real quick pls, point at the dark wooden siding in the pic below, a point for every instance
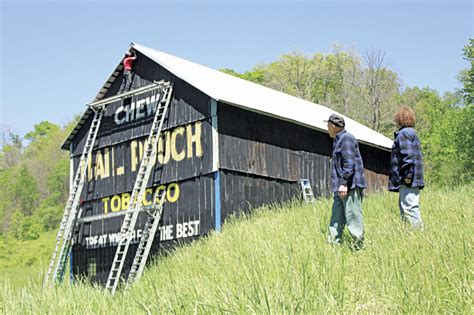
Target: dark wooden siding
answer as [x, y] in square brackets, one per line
[260, 145]
[185, 217]
[244, 191]
[375, 160]
[183, 152]
[183, 164]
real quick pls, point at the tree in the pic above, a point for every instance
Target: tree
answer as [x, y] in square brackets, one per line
[467, 76]
[25, 192]
[347, 75]
[10, 148]
[256, 75]
[42, 129]
[380, 87]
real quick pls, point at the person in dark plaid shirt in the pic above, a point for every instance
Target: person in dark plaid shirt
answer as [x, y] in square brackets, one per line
[406, 171]
[348, 182]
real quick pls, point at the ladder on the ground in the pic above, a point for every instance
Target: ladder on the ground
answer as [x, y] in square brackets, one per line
[146, 240]
[139, 188]
[57, 267]
[308, 195]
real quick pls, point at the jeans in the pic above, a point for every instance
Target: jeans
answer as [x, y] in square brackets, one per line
[126, 81]
[347, 211]
[409, 203]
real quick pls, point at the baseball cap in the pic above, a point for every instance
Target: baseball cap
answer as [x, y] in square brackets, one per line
[336, 120]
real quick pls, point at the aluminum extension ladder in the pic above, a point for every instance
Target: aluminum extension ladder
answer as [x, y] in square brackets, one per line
[307, 191]
[64, 237]
[131, 216]
[146, 240]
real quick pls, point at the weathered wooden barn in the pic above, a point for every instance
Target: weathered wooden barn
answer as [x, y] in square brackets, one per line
[228, 145]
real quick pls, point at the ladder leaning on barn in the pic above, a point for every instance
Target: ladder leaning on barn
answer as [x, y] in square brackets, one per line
[57, 266]
[63, 239]
[135, 207]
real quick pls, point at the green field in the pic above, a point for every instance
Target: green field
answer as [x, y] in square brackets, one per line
[278, 261]
[21, 262]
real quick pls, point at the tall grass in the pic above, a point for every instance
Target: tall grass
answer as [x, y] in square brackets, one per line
[20, 260]
[277, 261]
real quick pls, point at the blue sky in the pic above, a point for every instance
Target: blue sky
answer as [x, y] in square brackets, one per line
[55, 55]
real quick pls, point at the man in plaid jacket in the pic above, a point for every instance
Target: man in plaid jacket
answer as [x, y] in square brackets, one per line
[406, 171]
[348, 182]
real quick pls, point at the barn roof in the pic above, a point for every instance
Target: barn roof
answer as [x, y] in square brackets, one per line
[247, 95]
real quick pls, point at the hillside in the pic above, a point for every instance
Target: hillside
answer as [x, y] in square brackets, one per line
[278, 261]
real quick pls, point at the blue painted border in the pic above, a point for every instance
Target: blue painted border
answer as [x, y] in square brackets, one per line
[71, 274]
[217, 201]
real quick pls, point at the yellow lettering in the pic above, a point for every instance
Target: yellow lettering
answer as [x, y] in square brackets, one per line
[120, 170]
[122, 202]
[105, 201]
[194, 138]
[164, 149]
[145, 201]
[174, 153]
[133, 155]
[89, 168]
[99, 166]
[113, 161]
[115, 203]
[140, 149]
[106, 163]
[157, 192]
[125, 201]
[172, 189]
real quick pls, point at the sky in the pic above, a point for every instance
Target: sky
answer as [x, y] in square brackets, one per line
[56, 55]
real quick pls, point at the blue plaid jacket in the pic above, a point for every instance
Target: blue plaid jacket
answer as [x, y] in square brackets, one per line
[347, 165]
[406, 160]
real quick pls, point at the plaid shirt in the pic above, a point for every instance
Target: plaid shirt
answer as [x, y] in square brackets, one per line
[347, 165]
[406, 160]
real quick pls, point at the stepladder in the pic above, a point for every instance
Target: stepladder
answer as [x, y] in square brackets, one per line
[135, 207]
[307, 191]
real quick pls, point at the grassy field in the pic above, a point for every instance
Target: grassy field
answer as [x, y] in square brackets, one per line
[21, 262]
[278, 261]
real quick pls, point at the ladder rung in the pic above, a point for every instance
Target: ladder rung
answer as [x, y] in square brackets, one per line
[131, 216]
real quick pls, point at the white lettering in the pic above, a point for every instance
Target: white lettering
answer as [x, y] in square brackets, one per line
[167, 232]
[136, 111]
[140, 105]
[119, 121]
[187, 229]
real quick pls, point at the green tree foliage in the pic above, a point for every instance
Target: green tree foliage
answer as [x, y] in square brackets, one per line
[42, 130]
[253, 76]
[361, 87]
[34, 187]
[25, 192]
[11, 147]
[7, 178]
[25, 227]
[467, 76]
[446, 132]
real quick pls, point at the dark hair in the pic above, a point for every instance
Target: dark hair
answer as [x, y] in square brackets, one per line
[405, 117]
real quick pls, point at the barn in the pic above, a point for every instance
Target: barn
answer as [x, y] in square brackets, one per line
[227, 145]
